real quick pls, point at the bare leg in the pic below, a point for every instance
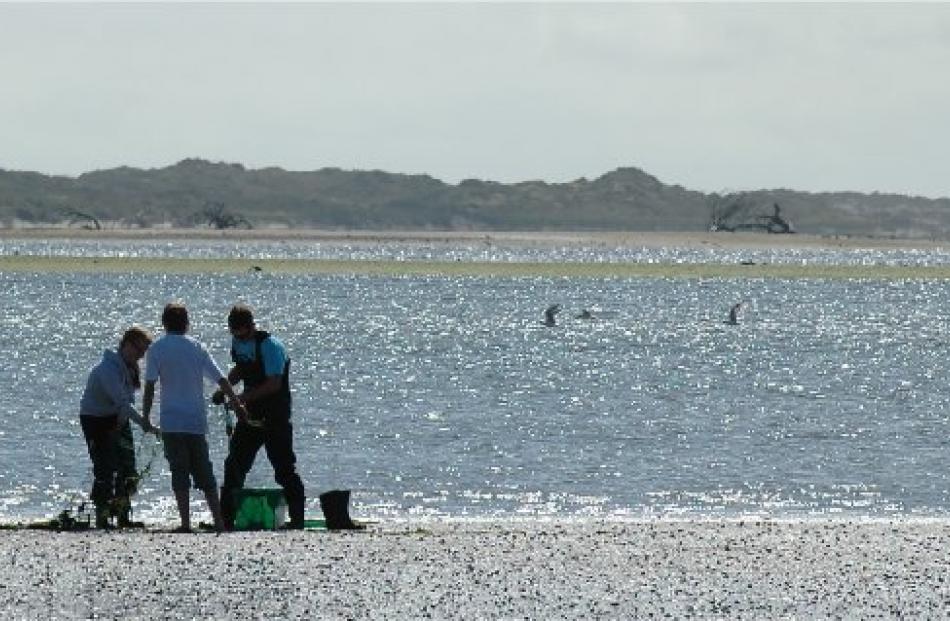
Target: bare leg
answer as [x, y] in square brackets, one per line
[184, 508]
[214, 504]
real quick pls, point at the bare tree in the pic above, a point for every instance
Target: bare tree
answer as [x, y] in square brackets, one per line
[220, 217]
[75, 216]
[740, 211]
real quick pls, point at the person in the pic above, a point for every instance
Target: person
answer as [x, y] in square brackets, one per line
[181, 363]
[262, 365]
[105, 409]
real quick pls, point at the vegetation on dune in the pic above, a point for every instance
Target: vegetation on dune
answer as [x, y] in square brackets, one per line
[195, 192]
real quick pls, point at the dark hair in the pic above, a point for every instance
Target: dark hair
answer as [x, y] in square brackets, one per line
[241, 316]
[175, 318]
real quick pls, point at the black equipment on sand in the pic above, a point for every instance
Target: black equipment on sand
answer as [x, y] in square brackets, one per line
[335, 505]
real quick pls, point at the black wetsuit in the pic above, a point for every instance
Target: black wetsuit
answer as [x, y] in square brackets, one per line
[275, 435]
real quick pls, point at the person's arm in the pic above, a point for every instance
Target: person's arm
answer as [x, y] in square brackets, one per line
[122, 399]
[269, 386]
[129, 412]
[239, 410]
[148, 396]
[148, 393]
[234, 376]
[214, 373]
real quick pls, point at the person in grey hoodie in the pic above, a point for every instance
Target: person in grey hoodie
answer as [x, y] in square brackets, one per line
[106, 407]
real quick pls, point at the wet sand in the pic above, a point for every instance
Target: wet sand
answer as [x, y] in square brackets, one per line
[736, 241]
[646, 239]
[124, 265]
[496, 569]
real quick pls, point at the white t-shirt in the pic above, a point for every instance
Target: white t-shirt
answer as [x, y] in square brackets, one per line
[180, 364]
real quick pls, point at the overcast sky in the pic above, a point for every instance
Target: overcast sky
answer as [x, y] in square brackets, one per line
[712, 97]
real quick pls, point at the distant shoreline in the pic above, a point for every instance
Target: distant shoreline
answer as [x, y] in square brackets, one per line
[622, 239]
[460, 269]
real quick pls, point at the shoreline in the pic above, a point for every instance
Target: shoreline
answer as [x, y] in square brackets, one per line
[14, 262]
[493, 569]
[29, 264]
[622, 239]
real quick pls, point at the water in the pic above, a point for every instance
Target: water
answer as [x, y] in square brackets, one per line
[442, 396]
[486, 250]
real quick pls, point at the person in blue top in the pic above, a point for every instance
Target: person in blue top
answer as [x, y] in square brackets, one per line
[181, 364]
[106, 407]
[262, 365]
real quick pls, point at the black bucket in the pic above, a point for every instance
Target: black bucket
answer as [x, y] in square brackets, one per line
[335, 505]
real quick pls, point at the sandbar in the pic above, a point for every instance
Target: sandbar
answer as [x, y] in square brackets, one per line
[622, 239]
[393, 268]
[17, 263]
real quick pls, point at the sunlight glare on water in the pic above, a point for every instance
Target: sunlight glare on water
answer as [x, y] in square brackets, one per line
[447, 396]
[490, 250]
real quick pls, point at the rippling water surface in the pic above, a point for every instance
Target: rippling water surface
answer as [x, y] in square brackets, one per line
[487, 250]
[447, 396]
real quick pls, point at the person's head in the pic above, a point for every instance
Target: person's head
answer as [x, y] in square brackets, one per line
[241, 322]
[175, 318]
[135, 342]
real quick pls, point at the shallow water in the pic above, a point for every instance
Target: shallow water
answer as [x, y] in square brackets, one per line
[447, 396]
[467, 251]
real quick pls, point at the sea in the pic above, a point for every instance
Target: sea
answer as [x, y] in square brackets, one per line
[447, 397]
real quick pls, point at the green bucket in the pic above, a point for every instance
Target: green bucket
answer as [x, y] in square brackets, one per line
[259, 509]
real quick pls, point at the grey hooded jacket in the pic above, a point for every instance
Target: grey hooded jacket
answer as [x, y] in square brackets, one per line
[109, 390]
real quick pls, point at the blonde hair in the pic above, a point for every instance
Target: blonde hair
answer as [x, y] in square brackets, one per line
[136, 334]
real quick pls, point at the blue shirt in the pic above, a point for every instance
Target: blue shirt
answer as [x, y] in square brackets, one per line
[272, 350]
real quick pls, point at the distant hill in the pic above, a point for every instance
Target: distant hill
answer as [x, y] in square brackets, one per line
[625, 199]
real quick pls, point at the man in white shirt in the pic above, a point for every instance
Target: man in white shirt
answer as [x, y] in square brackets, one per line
[182, 364]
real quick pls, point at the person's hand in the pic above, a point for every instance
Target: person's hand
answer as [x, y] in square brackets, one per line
[217, 397]
[252, 419]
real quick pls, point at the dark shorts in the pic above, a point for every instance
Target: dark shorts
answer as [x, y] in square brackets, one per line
[188, 457]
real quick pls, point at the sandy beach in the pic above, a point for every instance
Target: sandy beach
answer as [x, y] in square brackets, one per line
[755, 569]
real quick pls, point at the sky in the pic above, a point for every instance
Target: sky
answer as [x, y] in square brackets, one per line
[713, 97]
